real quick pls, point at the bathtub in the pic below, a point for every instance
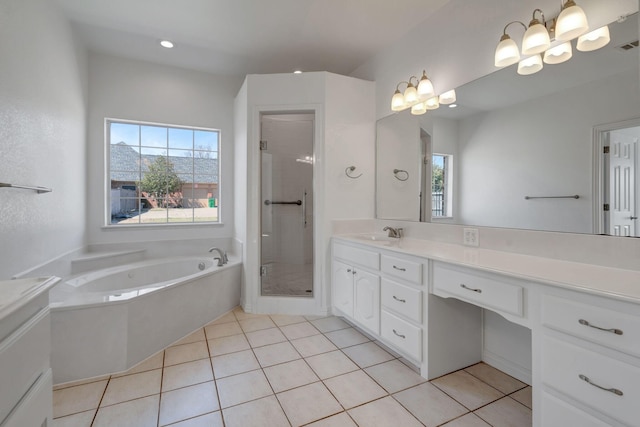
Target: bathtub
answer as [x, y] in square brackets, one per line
[107, 321]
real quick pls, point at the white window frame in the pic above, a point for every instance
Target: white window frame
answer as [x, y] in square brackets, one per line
[107, 176]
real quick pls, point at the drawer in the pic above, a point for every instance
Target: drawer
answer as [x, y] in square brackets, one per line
[566, 367]
[479, 289]
[36, 407]
[603, 326]
[24, 356]
[402, 335]
[402, 299]
[556, 412]
[358, 256]
[410, 271]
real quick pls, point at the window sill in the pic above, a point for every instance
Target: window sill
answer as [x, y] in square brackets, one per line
[159, 226]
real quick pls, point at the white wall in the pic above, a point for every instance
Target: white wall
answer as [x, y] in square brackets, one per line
[135, 90]
[513, 152]
[344, 134]
[42, 135]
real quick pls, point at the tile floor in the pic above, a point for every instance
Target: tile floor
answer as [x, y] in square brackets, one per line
[257, 370]
[288, 279]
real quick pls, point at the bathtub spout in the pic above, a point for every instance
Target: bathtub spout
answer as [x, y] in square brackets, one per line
[222, 259]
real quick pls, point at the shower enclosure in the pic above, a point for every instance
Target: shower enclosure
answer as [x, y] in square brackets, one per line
[286, 147]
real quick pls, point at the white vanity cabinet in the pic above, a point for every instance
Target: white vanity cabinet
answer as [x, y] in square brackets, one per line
[25, 351]
[355, 285]
[590, 360]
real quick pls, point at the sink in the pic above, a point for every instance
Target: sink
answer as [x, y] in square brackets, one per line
[375, 237]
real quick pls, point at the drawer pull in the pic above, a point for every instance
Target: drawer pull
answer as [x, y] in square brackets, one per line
[462, 285]
[612, 330]
[399, 335]
[610, 390]
[398, 268]
[398, 299]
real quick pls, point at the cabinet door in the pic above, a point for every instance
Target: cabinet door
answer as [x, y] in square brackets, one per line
[342, 287]
[367, 300]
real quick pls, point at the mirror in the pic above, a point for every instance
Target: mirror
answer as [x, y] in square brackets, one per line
[517, 149]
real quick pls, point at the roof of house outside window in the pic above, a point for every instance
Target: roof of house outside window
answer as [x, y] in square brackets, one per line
[125, 165]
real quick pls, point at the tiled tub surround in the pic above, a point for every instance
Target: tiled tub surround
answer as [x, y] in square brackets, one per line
[258, 370]
[100, 331]
[581, 321]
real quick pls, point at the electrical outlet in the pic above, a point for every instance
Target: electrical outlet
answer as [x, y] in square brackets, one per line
[470, 237]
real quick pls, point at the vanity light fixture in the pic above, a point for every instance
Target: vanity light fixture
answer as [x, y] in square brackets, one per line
[549, 42]
[420, 97]
[166, 44]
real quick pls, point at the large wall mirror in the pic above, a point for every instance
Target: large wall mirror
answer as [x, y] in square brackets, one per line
[517, 150]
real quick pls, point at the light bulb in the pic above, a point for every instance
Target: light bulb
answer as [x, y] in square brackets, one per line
[571, 22]
[397, 102]
[594, 40]
[507, 52]
[449, 97]
[432, 103]
[410, 95]
[418, 109]
[530, 65]
[425, 87]
[536, 39]
[558, 54]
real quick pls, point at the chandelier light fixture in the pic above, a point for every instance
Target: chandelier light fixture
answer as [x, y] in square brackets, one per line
[420, 97]
[549, 42]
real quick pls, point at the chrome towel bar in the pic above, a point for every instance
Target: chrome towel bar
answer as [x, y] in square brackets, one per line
[39, 190]
[575, 196]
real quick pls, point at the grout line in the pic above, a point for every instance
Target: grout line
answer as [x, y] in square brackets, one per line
[100, 403]
[164, 355]
[213, 374]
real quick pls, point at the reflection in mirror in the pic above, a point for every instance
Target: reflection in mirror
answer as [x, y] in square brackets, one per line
[513, 136]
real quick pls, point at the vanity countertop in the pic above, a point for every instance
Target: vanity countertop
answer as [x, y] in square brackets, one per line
[611, 282]
[16, 293]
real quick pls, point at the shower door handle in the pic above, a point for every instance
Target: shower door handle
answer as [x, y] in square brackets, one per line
[304, 209]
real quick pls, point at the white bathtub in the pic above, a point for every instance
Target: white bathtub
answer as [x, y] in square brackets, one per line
[107, 321]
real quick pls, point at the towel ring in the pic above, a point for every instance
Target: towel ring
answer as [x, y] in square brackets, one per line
[349, 170]
[396, 172]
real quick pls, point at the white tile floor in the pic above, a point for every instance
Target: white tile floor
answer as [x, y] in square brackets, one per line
[256, 370]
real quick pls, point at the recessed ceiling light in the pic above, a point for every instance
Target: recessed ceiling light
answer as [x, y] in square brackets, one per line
[453, 105]
[166, 43]
[297, 72]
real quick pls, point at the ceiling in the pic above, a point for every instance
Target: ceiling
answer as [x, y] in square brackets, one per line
[239, 37]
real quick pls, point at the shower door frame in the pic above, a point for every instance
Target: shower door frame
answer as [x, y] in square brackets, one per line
[252, 300]
[303, 200]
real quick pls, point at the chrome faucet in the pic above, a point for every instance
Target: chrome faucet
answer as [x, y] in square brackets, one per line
[393, 232]
[222, 259]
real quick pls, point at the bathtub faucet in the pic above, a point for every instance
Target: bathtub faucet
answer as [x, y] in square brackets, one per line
[222, 259]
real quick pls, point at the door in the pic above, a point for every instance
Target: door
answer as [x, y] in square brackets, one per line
[622, 183]
[286, 243]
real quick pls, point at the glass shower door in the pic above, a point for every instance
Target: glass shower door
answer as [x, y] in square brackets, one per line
[286, 149]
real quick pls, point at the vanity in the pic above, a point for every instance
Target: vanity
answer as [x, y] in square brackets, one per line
[25, 352]
[425, 300]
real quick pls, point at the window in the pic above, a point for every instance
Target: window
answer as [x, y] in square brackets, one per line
[161, 174]
[441, 195]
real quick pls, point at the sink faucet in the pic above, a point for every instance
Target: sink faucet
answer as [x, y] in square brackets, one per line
[222, 259]
[393, 232]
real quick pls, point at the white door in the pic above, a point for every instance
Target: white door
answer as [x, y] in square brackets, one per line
[622, 203]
